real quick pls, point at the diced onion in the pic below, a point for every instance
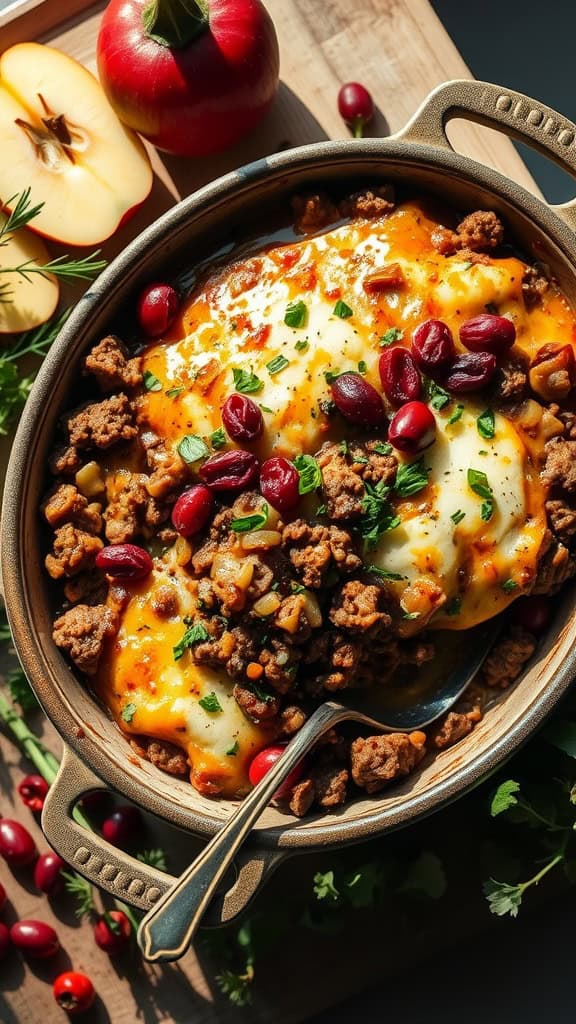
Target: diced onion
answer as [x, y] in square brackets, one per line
[89, 480]
[267, 604]
[312, 609]
[256, 540]
[183, 551]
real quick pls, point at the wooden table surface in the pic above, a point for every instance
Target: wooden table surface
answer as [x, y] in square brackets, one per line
[400, 51]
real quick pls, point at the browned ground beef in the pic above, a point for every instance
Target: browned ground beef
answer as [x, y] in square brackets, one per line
[102, 424]
[506, 659]
[162, 754]
[370, 203]
[454, 726]
[313, 212]
[81, 633]
[109, 362]
[359, 607]
[74, 551]
[313, 549]
[480, 231]
[560, 467]
[64, 461]
[534, 285]
[378, 760]
[510, 382]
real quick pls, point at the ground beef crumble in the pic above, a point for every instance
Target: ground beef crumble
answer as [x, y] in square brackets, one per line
[378, 760]
[81, 633]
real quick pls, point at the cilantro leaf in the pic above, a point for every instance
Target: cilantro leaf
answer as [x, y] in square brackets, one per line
[503, 898]
[375, 570]
[210, 702]
[342, 310]
[509, 585]
[456, 415]
[437, 396]
[485, 424]
[193, 635]
[192, 448]
[246, 382]
[277, 364]
[486, 510]
[309, 472]
[324, 887]
[233, 750]
[128, 712]
[296, 313]
[411, 477]
[504, 798]
[478, 482]
[151, 382]
[378, 516]
[217, 439]
[252, 522]
[390, 336]
[302, 345]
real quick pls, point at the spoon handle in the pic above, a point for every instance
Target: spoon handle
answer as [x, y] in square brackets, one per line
[167, 930]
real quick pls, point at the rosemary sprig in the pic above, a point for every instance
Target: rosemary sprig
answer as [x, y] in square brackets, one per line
[61, 266]
[20, 216]
[82, 892]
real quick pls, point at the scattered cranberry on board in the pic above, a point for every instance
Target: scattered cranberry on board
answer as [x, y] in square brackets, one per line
[48, 873]
[112, 932]
[191, 78]
[123, 826]
[73, 991]
[16, 844]
[33, 790]
[35, 939]
[264, 761]
[356, 107]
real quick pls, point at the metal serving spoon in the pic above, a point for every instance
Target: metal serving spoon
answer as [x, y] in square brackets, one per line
[167, 930]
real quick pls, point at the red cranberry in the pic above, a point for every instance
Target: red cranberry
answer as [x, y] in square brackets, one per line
[264, 761]
[48, 872]
[112, 932]
[358, 401]
[124, 561]
[5, 942]
[35, 939]
[2, 895]
[230, 471]
[470, 372]
[433, 346]
[355, 106]
[279, 484]
[96, 802]
[400, 378]
[534, 613]
[242, 418]
[74, 992]
[412, 428]
[192, 510]
[16, 844]
[122, 826]
[488, 333]
[157, 309]
[33, 789]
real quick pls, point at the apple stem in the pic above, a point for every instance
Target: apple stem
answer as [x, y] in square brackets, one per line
[175, 23]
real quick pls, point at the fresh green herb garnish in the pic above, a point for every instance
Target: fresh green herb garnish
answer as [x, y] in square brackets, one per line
[375, 570]
[296, 314]
[411, 615]
[485, 424]
[277, 364]
[456, 415]
[331, 375]
[156, 858]
[210, 702]
[128, 712]
[458, 516]
[302, 345]
[217, 439]
[233, 750]
[478, 482]
[390, 336]
[362, 368]
[297, 588]
[265, 408]
[174, 392]
[321, 510]
[151, 382]
[309, 472]
[437, 396]
[378, 516]
[486, 510]
[193, 635]
[192, 448]
[509, 585]
[382, 448]
[252, 522]
[246, 382]
[342, 310]
[411, 477]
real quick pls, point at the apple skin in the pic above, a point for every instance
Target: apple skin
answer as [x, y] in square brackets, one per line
[32, 301]
[59, 134]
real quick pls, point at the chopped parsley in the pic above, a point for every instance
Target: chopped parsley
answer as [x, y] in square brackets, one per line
[191, 448]
[390, 336]
[453, 607]
[151, 382]
[485, 424]
[331, 375]
[321, 510]
[253, 522]
[295, 315]
[297, 588]
[277, 364]
[174, 392]
[486, 510]
[456, 415]
[382, 448]
[458, 516]
[193, 635]
[302, 345]
[342, 310]
[362, 368]
[375, 570]
[233, 750]
[247, 383]
[265, 408]
[210, 702]
[378, 516]
[411, 477]
[478, 482]
[508, 586]
[263, 695]
[128, 712]
[309, 472]
[437, 396]
[218, 438]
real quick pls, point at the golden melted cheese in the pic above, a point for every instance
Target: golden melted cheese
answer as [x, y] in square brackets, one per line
[235, 319]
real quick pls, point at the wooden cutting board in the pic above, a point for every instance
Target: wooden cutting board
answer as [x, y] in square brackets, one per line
[400, 51]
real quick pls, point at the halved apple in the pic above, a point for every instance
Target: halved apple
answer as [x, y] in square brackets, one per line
[60, 136]
[25, 303]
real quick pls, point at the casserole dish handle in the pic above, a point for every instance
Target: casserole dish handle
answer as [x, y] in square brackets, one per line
[123, 876]
[509, 111]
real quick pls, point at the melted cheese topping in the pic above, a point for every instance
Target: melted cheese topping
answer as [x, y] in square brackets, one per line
[457, 566]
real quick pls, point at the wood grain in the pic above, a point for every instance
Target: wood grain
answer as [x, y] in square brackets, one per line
[400, 51]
